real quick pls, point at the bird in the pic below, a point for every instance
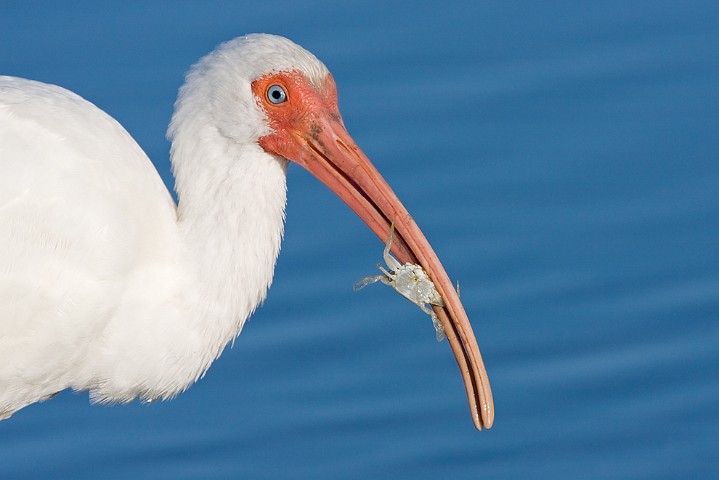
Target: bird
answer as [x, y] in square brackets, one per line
[107, 285]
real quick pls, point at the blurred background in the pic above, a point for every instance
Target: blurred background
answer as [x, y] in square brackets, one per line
[561, 157]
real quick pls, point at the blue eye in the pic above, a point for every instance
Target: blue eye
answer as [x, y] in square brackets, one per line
[276, 94]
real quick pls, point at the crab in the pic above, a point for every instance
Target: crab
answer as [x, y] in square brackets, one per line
[409, 280]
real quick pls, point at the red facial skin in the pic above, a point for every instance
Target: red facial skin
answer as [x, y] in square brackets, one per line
[307, 129]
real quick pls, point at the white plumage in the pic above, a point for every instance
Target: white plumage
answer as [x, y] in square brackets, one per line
[106, 285]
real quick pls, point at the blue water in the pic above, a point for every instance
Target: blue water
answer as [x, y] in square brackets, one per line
[563, 159]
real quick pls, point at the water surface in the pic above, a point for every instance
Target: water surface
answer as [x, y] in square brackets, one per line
[562, 157]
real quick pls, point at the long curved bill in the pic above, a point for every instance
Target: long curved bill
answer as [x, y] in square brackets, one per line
[320, 143]
[333, 157]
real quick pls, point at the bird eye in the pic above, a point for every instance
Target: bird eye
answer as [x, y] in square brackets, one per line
[276, 94]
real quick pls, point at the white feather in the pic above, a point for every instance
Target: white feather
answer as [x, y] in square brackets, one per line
[104, 284]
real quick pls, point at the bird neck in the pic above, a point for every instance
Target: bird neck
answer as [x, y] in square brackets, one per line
[231, 219]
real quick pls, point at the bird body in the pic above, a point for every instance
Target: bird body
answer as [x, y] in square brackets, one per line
[105, 284]
[83, 218]
[100, 279]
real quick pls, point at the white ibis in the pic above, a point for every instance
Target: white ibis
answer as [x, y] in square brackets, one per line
[106, 285]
